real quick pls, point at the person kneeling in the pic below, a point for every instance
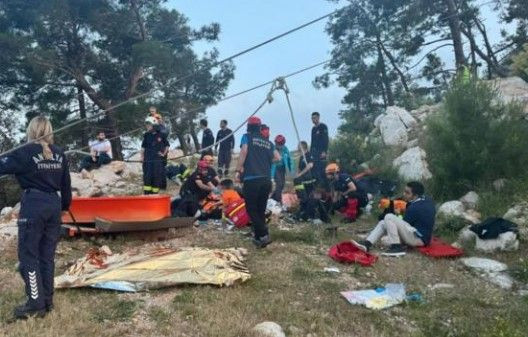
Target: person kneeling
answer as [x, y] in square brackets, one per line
[415, 229]
[348, 197]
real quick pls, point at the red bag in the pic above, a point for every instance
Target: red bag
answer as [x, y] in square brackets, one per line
[439, 249]
[236, 212]
[350, 211]
[347, 252]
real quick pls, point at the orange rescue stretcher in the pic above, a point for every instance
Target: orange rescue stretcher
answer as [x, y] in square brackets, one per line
[120, 214]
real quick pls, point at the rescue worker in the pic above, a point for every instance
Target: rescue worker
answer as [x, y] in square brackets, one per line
[254, 168]
[279, 169]
[344, 187]
[226, 148]
[319, 147]
[154, 149]
[265, 131]
[212, 175]
[304, 183]
[207, 138]
[195, 189]
[41, 169]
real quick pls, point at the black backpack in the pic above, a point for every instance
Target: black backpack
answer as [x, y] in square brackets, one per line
[491, 228]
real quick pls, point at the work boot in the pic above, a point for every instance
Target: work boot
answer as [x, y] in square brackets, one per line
[395, 250]
[363, 245]
[262, 242]
[24, 312]
[49, 306]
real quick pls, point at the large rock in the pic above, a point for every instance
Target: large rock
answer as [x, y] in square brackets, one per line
[513, 89]
[407, 119]
[518, 214]
[451, 209]
[424, 111]
[269, 329]
[412, 165]
[470, 200]
[393, 130]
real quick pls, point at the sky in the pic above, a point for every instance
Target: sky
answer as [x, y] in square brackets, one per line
[245, 23]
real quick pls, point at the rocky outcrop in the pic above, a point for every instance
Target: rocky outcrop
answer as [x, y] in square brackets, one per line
[116, 178]
[412, 165]
[513, 89]
[394, 126]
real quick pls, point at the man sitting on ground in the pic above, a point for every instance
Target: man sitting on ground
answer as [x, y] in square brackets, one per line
[415, 229]
[100, 153]
[345, 190]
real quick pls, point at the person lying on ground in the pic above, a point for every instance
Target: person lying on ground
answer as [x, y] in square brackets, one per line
[229, 194]
[344, 187]
[415, 229]
[100, 153]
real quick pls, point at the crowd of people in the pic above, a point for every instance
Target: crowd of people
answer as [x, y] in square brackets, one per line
[42, 171]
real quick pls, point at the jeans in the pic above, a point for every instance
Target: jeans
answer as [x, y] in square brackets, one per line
[280, 181]
[256, 193]
[88, 163]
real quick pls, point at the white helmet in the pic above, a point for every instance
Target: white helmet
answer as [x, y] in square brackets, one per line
[151, 120]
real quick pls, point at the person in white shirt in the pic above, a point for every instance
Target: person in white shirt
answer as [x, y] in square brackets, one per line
[100, 153]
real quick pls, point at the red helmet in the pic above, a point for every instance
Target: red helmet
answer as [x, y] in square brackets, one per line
[280, 140]
[254, 120]
[203, 165]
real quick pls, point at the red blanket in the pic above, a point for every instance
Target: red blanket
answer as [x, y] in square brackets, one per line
[348, 253]
[439, 249]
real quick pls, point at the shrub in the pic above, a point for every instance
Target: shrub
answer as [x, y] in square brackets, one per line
[520, 63]
[351, 150]
[475, 139]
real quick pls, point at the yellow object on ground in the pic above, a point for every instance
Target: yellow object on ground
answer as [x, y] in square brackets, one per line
[154, 268]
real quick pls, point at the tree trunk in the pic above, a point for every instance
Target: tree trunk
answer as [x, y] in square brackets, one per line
[456, 35]
[194, 137]
[385, 79]
[112, 133]
[82, 114]
[183, 143]
[395, 66]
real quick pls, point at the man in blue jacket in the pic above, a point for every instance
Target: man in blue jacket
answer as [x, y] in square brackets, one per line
[415, 229]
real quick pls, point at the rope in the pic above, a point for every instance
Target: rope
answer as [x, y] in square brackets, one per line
[268, 99]
[295, 73]
[214, 65]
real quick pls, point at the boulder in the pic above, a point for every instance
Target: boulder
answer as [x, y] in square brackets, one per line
[499, 184]
[393, 130]
[484, 265]
[5, 212]
[269, 329]
[470, 200]
[406, 118]
[424, 111]
[412, 165]
[505, 242]
[451, 209]
[513, 89]
[518, 214]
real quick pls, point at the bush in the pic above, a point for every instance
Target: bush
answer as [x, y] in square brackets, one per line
[475, 139]
[350, 151]
[520, 64]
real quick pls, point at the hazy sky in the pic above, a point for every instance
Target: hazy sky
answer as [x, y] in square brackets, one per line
[245, 23]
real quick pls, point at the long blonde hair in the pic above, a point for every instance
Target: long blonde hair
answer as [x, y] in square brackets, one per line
[40, 131]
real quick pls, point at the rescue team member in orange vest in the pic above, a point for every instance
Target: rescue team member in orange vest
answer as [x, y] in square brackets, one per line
[254, 168]
[42, 171]
[154, 148]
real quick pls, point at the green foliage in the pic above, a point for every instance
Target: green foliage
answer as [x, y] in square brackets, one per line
[351, 150]
[520, 63]
[475, 140]
[117, 311]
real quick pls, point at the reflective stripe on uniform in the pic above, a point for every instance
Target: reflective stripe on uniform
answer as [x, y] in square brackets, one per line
[155, 189]
[147, 188]
[299, 187]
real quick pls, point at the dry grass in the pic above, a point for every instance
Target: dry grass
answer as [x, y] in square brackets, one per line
[288, 286]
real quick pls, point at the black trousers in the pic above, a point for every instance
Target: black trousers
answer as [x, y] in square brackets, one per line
[224, 161]
[38, 234]
[88, 163]
[319, 171]
[256, 193]
[280, 181]
[153, 175]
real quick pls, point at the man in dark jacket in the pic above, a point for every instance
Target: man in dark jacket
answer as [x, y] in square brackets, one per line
[226, 148]
[415, 229]
[319, 147]
[207, 138]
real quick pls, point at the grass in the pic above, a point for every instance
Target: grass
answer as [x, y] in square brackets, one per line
[288, 286]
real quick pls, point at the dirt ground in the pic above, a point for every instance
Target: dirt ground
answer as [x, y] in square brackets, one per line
[288, 286]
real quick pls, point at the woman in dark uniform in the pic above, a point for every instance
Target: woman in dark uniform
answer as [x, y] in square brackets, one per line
[42, 172]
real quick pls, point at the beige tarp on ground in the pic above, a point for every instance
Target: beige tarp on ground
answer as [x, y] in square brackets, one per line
[155, 267]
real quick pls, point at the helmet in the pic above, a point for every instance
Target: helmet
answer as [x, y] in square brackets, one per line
[332, 168]
[280, 140]
[254, 120]
[265, 131]
[203, 165]
[151, 120]
[208, 159]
